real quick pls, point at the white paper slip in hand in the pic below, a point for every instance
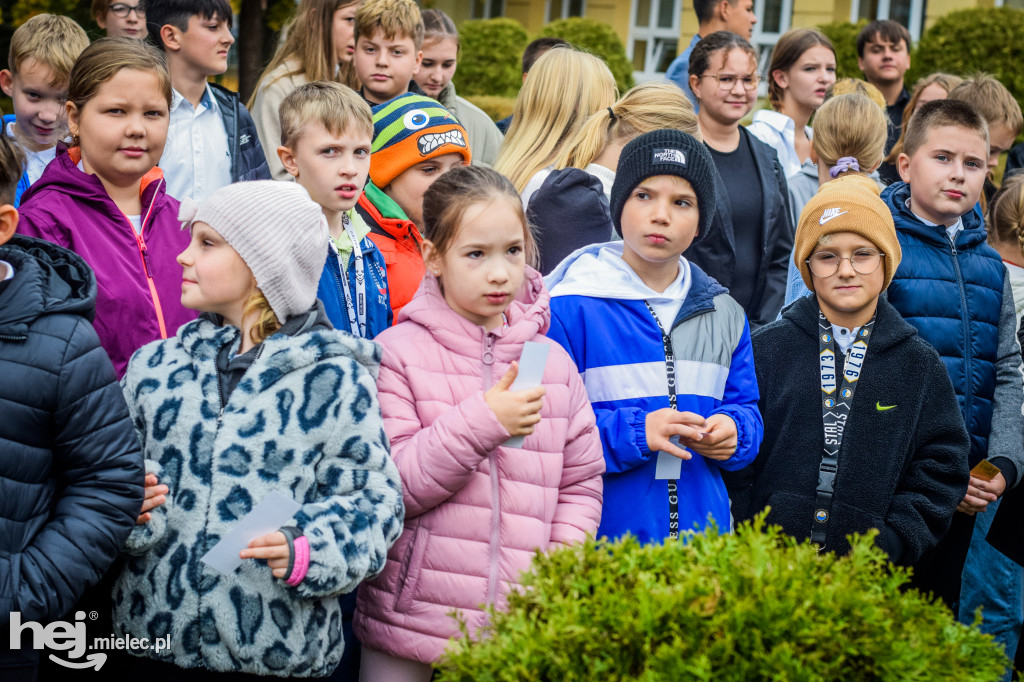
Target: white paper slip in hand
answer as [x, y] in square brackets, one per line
[276, 510]
[669, 466]
[531, 371]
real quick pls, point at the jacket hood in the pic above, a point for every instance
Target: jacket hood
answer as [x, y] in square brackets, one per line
[203, 338]
[63, 175]
[890, 328]
[599, 271]
[896, 195]
[528, 315]
[48, 280]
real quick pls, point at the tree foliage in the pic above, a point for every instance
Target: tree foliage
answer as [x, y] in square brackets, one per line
[491, 57]
[973, 40]
[753, 605]
[843, 35]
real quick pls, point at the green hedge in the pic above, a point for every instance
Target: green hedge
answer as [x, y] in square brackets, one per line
[843, 35]
[491, 62]
[599, 39]
[754, 605]
[971, 40]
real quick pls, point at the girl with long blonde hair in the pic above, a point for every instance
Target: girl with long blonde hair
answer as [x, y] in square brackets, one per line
[564, 87]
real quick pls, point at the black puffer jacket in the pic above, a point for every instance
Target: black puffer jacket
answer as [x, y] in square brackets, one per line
[71, 469]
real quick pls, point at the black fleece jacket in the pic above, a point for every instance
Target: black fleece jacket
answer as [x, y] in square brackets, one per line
[902, 469]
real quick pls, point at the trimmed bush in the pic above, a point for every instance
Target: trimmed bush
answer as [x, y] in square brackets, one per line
[753, 605]
[598, 39]
[495, 107]
[972, 40]
[843, 35]
[491, 61]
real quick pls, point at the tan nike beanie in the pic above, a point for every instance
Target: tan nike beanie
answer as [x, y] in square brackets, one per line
[848, 204]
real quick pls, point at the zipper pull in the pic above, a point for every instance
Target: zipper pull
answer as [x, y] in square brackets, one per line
[145, 260]
[488, 357]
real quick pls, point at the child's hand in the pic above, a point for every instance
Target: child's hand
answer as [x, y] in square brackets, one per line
[719, 441]
[272, 547]
[981, 493]
[662, 424]
[518, 411]
[155, 496]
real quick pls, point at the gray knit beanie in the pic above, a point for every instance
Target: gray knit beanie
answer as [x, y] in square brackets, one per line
[280, 233]
[666, 152]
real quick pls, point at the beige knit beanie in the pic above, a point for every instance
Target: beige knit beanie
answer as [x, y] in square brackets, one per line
[848, 204]
[280, 233]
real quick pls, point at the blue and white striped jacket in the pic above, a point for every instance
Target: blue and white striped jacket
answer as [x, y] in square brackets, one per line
[599, 316]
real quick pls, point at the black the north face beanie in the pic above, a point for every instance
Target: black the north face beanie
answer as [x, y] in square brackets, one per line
[666, 152]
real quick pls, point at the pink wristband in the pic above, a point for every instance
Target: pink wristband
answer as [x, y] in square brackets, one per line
[301, 566]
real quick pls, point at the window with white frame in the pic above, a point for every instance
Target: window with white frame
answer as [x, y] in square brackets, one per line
[563, 9]
[773, 19]
[910, 13]
[653, 37]
[487, 9]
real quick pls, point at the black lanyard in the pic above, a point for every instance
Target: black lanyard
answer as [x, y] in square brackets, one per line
[835, 410]
[670, 371]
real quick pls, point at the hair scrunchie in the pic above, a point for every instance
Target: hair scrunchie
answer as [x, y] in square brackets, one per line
[847, 163]
[611, 113]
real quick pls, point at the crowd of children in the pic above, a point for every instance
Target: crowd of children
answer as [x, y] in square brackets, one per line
[326, 304]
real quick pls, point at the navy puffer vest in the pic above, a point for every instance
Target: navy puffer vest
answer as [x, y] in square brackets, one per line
[953, 294]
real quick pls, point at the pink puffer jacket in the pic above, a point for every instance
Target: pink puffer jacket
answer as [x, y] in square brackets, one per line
[475, 511]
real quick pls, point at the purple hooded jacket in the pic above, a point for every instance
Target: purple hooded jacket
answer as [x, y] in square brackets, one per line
[138, 278]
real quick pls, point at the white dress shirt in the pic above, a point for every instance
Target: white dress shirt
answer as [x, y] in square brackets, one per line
[778, 131]
[196, 160]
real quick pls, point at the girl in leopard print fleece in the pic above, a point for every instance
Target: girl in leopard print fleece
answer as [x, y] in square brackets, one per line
[259, 394]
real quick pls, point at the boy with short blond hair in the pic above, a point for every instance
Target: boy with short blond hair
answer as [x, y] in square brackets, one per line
[389, 35]
[211, 138]
[326, 138]
[43, 50]
[952, 286]
[992, 100]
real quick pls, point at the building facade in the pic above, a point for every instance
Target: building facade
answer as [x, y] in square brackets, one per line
[654, 31]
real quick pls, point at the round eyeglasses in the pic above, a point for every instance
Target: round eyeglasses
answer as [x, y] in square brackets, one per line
[727, 83]
[826, 263]
[122, 10]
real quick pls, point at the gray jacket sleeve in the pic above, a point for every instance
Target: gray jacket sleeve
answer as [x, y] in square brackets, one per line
[1006, 438]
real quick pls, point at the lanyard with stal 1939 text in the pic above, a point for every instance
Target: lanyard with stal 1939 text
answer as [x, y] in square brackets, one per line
[356, 304]
[835, 410]
[670, 371]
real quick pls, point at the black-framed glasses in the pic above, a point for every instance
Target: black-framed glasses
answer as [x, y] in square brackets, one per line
[826, 263]
[727, 82]
[122, 10]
